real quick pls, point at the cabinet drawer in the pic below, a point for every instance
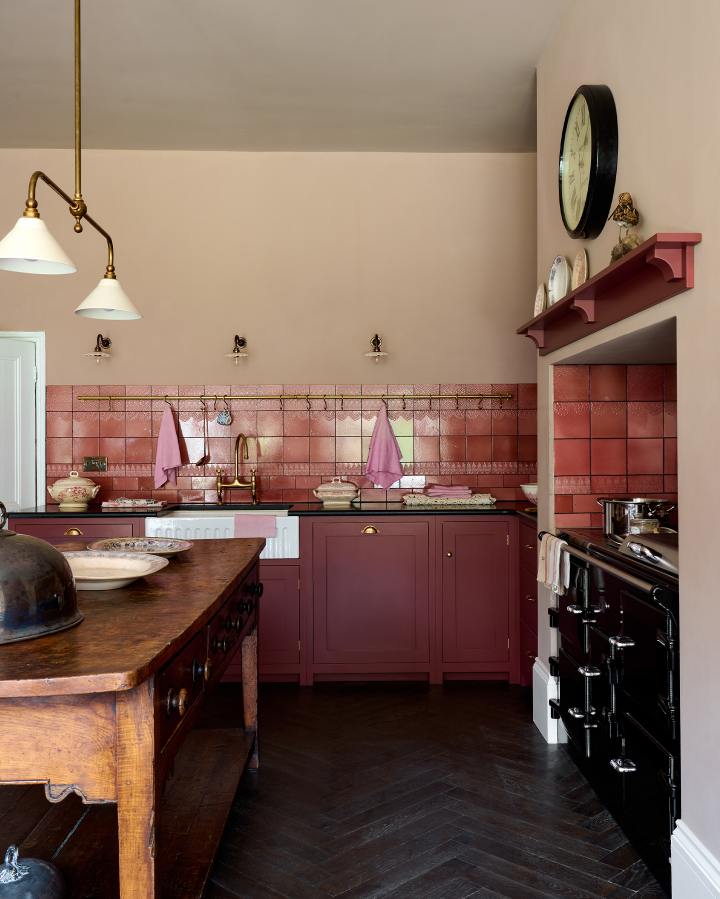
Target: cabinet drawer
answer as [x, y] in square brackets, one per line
[528, 599]
[60, 530]
[179, 685]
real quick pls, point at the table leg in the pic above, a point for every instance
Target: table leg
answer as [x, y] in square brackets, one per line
[137, 793]
[249, 685]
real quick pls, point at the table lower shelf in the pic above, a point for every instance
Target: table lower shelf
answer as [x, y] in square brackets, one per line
[81, 840]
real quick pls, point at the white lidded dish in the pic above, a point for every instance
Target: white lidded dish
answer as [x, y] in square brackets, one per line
[74, 492]
[337, 494]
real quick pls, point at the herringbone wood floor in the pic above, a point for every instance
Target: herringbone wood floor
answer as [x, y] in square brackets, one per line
[410, 791]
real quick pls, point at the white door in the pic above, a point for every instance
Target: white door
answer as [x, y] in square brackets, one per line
[18, 422]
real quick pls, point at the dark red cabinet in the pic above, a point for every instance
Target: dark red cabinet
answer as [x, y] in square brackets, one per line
[278, 623]
[527, 599]
[476, 593]
[371, 592]
[279, 635]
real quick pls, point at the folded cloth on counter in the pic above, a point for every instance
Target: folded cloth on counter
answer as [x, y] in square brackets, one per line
[554, 564]
[383, 465]
[255, 525]
[443, 490]
[167, 457]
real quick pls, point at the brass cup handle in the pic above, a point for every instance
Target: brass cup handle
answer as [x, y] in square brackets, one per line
[370, 529]
[176, 702]
[530, 597]
[73, 532]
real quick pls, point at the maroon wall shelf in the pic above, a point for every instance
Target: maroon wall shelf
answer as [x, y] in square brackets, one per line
[658, 269]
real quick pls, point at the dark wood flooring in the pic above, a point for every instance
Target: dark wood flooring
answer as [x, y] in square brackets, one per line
[415, 791]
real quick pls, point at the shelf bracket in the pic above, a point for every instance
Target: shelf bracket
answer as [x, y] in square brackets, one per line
[670, 262]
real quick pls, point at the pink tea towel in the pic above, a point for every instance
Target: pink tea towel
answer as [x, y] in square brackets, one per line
[255, 525]
[167, 457]
[383, 464]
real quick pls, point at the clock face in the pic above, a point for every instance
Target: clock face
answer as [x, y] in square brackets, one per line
[588, 161]
[575, 161]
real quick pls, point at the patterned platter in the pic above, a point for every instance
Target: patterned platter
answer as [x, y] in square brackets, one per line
[157, 546]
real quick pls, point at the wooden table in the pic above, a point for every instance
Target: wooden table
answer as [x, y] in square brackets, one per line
[103, 709]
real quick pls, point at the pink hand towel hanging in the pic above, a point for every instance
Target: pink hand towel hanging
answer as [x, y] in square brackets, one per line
[167, 457]
[383, 464]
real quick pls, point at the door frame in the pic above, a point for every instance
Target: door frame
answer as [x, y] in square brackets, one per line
[37, 338]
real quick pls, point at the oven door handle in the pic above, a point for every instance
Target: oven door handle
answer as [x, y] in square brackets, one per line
[636, 582]
[623, 766]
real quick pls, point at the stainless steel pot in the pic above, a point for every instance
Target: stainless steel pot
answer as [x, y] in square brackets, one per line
[37, 588]
[619, 510]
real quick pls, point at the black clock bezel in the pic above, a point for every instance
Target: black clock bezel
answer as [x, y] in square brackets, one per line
[603, 165]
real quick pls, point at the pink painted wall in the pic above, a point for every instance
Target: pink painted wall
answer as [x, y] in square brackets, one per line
[615, 433]
[491, 448]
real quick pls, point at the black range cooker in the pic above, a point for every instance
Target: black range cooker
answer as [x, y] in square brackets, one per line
[619, 691]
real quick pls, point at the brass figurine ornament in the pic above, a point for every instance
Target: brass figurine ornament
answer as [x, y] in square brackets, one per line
[627, 217]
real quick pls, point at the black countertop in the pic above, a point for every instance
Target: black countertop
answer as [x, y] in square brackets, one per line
[301, 509]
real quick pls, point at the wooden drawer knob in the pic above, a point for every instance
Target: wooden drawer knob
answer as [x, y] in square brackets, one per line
[370, 529]
[73, 532]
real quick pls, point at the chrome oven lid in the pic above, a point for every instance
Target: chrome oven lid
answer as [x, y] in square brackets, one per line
[660, 550]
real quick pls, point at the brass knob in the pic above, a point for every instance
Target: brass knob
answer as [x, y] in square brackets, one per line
[73, 532]
[449, 555]
[530, 597]
[370, 529]
[182, 701]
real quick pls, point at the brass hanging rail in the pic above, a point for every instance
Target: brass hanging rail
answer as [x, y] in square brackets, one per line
[281, 397]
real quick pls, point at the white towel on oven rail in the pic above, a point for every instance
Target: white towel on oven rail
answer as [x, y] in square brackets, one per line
[554, 564]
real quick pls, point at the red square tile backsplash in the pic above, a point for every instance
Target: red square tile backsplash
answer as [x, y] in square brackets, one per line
[489, 445]
[632, 426]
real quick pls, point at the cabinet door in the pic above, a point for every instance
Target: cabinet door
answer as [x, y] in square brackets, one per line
[279, 630]
[371, 591]
[475, 591]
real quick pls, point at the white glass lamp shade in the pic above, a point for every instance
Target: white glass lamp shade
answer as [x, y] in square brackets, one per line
[108, 300]
[31, 248]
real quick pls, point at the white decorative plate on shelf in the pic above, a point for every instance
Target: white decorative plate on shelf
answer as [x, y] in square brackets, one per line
[558, 279]
[579, 269]
[157, 546]
[109, 571]
[540, 300]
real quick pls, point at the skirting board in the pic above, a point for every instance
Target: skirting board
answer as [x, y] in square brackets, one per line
[695, 870]
[545, 688]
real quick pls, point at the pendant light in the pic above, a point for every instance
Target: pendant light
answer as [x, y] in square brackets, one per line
[31, 248]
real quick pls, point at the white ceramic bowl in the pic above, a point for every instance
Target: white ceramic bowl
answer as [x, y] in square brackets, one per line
[530, 491]
[109, 570]
[156, 546]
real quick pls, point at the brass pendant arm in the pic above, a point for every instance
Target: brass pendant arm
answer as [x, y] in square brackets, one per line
[77, 209]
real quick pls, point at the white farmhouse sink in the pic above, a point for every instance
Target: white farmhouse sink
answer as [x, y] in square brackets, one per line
[214, 524]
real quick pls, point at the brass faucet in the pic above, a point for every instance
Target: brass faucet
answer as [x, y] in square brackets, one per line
[250, 485]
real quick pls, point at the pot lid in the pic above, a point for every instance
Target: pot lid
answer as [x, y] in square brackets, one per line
[74, 479]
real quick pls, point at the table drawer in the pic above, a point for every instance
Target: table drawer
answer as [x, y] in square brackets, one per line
[179, 685]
